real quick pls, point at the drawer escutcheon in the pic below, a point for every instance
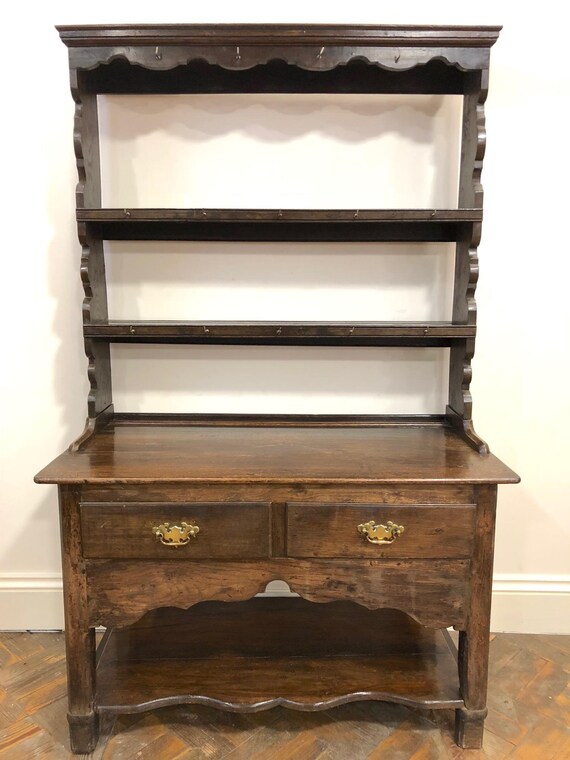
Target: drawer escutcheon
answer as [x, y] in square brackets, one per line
[175, 535]
[380, 534]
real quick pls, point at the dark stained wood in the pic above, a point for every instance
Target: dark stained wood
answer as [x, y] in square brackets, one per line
[95, 310]
[406, 493]
[277, 497]
[251, 656]
[277, 34]
[527, 718]
[275, 76]
[151, 454]
[316, 530]
[88, 193]
[310, 48]
[261, 627]
[229, 531]
[474, 639]
[280, 420]
[281, 224]
[465, 429]
[473, 144]
[433, 592]
[282, 333]
[79, 636]
[86, 143]
[281, 217]
[278, 530]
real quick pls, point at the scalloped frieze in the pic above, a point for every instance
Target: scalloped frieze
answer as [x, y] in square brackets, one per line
[310, 58]
[433, 592]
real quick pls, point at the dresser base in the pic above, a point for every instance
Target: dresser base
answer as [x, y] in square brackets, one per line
[254, 655]
[184, 622]
[267, 652]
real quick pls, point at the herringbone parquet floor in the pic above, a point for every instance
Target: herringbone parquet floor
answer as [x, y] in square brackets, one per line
[529, 716]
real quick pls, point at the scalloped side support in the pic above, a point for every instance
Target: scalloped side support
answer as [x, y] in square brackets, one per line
[92, 425]
[459, 412]
[88, 194]
[467, 431]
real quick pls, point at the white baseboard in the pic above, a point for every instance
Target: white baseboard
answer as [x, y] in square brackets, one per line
[531, 604]
[521, 603]
[31, 602]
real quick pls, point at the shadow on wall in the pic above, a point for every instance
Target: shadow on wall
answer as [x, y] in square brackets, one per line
[57, 410]
[283, 151]
[263, 379]
[279, 380]
[279, 151]
[273, 281]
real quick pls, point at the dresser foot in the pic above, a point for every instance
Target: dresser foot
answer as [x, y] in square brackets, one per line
[469, 726]
[83, 732]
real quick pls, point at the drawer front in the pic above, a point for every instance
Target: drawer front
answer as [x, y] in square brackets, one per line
[332, 530]
[175, 531]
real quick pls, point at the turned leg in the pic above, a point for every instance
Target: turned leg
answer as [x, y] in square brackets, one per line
[79, 637]
[473, 655]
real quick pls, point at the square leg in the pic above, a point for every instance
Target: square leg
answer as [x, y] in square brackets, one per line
[469, 725]
[83, 732]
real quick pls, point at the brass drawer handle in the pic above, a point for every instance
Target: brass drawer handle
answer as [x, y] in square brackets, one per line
[175, 535]
[380, 534]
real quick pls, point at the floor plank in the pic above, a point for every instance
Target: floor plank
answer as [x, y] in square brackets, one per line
[529, 715]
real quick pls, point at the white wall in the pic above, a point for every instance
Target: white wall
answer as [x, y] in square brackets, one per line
[518, 407]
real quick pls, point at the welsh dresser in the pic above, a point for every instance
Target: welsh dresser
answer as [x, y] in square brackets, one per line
[171, 525]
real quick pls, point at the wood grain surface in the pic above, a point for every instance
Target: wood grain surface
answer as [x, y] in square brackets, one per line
[253, 655]
[229, 530]
[528, 719]
[434, 592]
[154, 453]
[317, 530]
[122, 475]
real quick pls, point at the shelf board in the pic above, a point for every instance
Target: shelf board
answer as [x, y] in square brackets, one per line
[275, 224]
[283, 333]
[169, 451]
[280, 420]
[254, 655]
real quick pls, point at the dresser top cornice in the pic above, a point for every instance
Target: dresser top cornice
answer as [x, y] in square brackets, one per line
[278, 34]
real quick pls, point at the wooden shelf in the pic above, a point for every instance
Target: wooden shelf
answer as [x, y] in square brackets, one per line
[283, 333]
[166, 451]
[286, 225]
[254, 655]
[280, 420]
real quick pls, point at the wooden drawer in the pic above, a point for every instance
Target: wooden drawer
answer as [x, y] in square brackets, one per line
[128, 531]
[331, 530]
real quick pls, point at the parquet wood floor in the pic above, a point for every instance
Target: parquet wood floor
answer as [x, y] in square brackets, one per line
[529, 716]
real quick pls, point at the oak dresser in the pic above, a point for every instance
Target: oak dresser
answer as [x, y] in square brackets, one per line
[172, 524]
